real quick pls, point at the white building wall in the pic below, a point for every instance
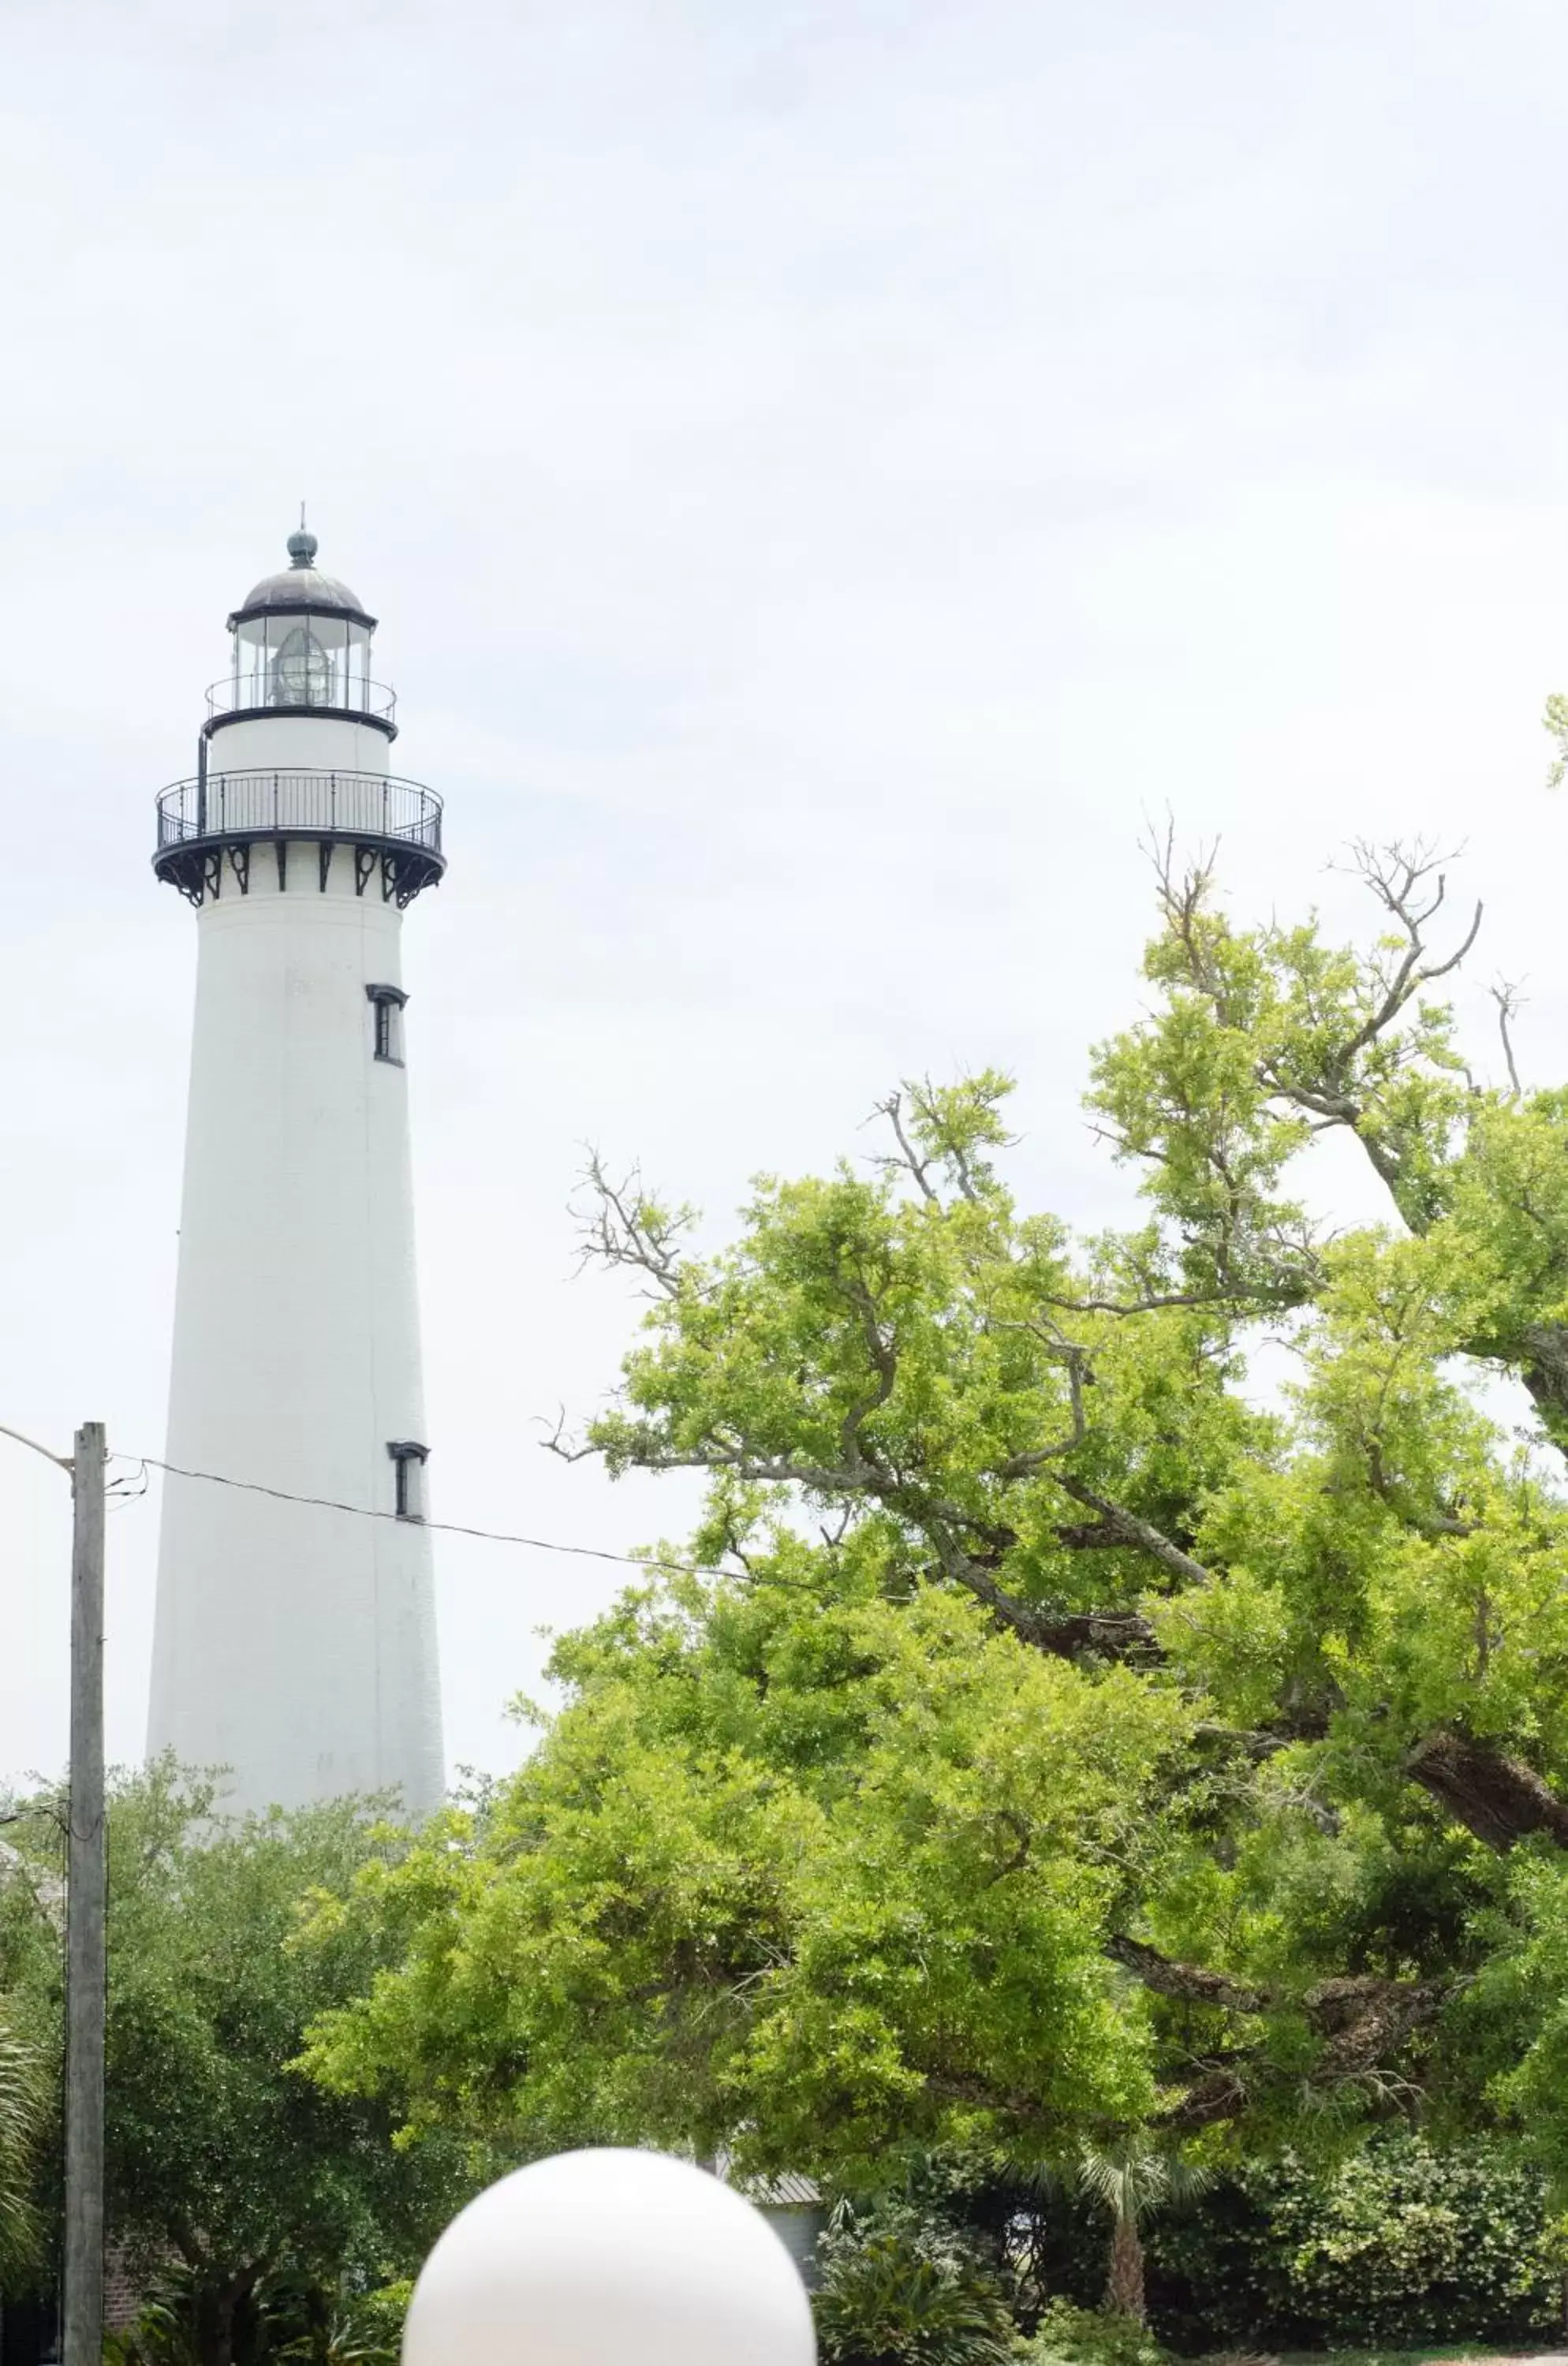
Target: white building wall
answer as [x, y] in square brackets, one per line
[263, 741]
[293, 1644]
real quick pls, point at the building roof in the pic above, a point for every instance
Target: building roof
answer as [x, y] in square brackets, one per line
[785, 2191]
[302, 584]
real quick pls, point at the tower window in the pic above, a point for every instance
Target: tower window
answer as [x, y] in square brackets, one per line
[387, 1006]
[408, 1478]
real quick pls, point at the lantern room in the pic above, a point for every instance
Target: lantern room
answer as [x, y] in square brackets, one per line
[301, 644]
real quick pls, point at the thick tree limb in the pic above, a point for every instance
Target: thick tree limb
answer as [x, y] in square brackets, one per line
[1109, 1633]
[1189, 1983]
[1103, 1634]
[1067, 1634]
[1492, 1794]
[884, 1359]
[1261, 1742]
[1362, 2018]
[1218, 2093]
[1279, 1295]
[959, 2086]
[1544, 1370]
[1365, 2020]
[1117, 1526]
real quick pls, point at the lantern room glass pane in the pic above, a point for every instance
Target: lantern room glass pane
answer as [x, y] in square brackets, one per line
[293, 659]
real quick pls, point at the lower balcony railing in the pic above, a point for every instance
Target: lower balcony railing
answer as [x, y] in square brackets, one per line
[394, 825]
[307, 804]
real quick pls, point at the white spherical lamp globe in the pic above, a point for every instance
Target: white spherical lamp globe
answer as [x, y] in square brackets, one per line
[609, 2258]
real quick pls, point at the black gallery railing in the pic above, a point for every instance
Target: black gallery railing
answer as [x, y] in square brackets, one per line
[361, 805]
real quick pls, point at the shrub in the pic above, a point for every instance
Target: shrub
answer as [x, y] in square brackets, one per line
[900, 2288]
[289, 2317]
[368, 2330]
[1399, 2244]
[1067, 2336]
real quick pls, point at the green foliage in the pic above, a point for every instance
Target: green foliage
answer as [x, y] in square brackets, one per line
[1068, 2336]
[1399, 2243]
[367, 2328]
[24, 2112]
[897, 2288]
[790, 1875]
[1086, 1732]
[283, 2313]
[1523, 1987]
[239, 2185]
[1555, 721]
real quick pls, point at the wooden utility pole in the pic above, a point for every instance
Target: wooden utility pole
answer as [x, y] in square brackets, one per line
[85, 1902]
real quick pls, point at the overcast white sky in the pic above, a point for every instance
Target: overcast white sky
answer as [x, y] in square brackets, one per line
[825, 468]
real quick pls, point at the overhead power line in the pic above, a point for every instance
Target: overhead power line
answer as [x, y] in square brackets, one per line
[444, 1527]
[146, 1462]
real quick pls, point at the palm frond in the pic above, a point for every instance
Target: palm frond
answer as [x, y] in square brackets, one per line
[1132, 2181]
[24, 2105]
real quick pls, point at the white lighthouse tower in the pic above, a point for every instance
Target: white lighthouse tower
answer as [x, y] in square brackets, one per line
[295, 1643]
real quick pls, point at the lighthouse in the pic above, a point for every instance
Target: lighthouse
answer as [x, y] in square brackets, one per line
[294, 1635]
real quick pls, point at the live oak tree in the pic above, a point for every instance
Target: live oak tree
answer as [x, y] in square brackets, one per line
[1052, 1730]
[798, 1876]
[231, 2179]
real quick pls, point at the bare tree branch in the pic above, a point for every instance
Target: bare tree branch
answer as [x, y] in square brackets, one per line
[892, 1108]
[627, 1228]
[557, 1442]
[1182, 896]
[1510, 1002]
[1396, 875]
[1412, 890]
[923, 1098]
